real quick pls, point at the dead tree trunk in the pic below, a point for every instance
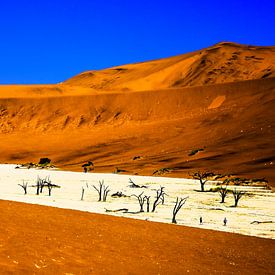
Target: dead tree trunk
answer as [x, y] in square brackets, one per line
[177, 207]
[158, 198]
[106, 190]
[50, 187]
[223, 193]
[163, 197]
[237, 194]
[141, 201]
[24, 185]
[38, 184]
[82, 193]
[147, 198]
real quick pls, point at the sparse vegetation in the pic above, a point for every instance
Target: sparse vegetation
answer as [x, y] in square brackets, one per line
[119, 194]
[162, 171]
[118, 170]
[88, 166]
[223, 193]
[202, 177]
[237, 194]
[133, 185]
[44, 163]
[195, 151]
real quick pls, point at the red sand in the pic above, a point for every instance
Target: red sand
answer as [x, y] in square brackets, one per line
[46, 240]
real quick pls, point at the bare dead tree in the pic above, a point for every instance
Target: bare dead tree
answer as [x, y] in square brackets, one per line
[237, 194]
[223, 191]
[147, 198]
[158, 199]
[38, 184]
[179, 203]
[24, 185]
[82, 193]
[141, 201]
[99, 190]
[50, 186]
[133, 185]
[106, 190]
[43, 183]
[202, 177]
[102, 191]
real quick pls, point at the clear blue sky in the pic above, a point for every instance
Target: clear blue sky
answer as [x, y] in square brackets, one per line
[48, 41]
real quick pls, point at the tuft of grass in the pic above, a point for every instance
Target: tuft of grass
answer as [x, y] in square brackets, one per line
[195, 151]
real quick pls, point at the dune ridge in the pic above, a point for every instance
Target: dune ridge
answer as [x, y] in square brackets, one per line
[222, 63]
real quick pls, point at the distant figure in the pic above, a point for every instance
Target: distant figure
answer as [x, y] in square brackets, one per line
[200, 220]
[225, 221]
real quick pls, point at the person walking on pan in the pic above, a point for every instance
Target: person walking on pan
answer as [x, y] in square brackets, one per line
[200, 220]
[225, 221]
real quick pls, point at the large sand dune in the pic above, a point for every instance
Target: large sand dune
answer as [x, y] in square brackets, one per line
[220, 99]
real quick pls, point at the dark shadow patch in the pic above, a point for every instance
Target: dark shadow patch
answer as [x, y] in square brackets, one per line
[260, 161]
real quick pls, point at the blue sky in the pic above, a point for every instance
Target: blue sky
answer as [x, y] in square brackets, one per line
[45, 41]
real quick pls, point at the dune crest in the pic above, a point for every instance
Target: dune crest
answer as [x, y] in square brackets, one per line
[221, 63]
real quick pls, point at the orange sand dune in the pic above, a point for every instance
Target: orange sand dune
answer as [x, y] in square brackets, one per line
[58, 241]
[156, 110]
[222, 63]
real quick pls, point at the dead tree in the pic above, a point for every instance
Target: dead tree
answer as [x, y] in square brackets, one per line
[82, 193]
[43, 183]
[102, 191]
[158, 199]
[50, 186]
[106, 190]
[163, 197]
[38, 184]
[202, 177]
[133, 185]
[237, 194]
[147, 198]
[24, 185]
[179, 203]
[223, 191]
[141, 201]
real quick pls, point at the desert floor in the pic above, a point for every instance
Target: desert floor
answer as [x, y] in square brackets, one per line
[258, 204]
[45, 240]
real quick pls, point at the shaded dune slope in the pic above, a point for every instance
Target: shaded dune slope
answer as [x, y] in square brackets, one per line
[155, 110]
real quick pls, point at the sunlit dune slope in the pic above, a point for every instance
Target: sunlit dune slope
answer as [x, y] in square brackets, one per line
[155, 119]
[221, 63]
